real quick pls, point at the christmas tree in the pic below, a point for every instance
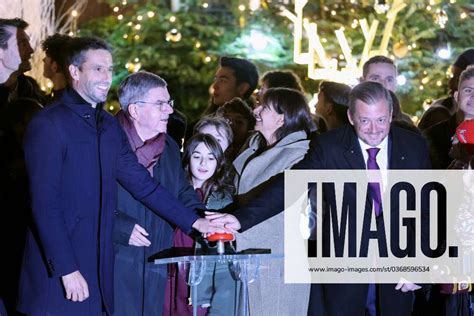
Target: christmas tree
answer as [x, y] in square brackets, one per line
[183, 40]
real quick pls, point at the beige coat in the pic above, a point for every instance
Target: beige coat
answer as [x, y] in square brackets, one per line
[269, 295]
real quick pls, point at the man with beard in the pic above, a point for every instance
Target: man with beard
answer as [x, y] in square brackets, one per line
[75, 153]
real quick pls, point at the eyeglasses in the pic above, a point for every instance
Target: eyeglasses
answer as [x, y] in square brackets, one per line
[159, 104]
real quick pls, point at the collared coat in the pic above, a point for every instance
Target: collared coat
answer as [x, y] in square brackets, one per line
[75, 155]
[254, 173]
[139, 283]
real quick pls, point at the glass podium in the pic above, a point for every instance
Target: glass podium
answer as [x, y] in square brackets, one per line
[244, 267]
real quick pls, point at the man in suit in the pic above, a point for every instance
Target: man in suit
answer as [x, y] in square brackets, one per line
[348, 147]
[75, 153]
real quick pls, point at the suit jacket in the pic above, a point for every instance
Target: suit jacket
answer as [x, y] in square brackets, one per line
[439, 141]
[75, 155]
[340, 149]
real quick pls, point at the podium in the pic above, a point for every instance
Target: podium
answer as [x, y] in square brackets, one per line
[243, 266]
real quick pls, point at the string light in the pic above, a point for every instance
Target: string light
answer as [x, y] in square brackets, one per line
[174, 36]
[74, 13]
[401, 80]
[151, 14]
[207, 59]
[421, 87]
[425, 80]
[125, 36]
[198, 44]
[439, 83]
[138, 27]
[139, 18]
[136, 37]
[463, 15]
[172, 19]
[441, 18]
[205, 5]
[116, 9]
[241, 8]
[120, 17]
[381, 6]
[333, 13]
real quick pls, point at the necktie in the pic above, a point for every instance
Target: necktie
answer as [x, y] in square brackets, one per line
[374, 187]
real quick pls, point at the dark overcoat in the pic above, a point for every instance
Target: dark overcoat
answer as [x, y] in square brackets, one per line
[75, 155]
[140, 284]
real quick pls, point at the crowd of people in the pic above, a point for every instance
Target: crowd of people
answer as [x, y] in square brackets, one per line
[88, 198]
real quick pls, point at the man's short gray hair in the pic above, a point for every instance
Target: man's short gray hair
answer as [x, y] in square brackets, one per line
[136, 85]
[370, 93]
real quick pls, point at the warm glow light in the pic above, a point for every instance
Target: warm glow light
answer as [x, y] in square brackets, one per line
[439, 83]
[198, 44]
[425, 80]
[172, 19]
[207, 59]
[74, 13]
[320, 64]
[137, 37]
[421, 87]
[125, 36]
[151, 14]
[120, 17]
[138, 26]
[137, 60]
[241, 7]
[205, 5]
[463, 15]
[116, 9]
[139, 18]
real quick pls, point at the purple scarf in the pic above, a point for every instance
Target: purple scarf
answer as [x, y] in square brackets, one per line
[147, 152]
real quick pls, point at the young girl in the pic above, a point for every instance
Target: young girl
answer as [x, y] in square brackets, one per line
[204, 163]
